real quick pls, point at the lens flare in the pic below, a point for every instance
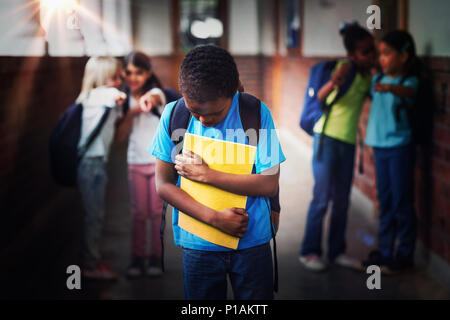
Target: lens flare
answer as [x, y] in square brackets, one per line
[58, 4]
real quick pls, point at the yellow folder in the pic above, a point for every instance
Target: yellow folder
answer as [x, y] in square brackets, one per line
[230, 157]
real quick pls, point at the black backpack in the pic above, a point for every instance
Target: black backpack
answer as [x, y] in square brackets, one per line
[63, 147]
[250, 114]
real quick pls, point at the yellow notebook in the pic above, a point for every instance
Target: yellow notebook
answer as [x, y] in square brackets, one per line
[236, 158]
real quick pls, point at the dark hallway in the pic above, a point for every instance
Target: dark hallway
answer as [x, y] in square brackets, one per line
[41, 228]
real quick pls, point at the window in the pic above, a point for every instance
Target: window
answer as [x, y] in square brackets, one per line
[200, 23]
[293, 25]
[70, 27]
[87, 27]
[20, 29]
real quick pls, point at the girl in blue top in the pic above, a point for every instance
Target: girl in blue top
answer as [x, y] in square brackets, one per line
[390, 134]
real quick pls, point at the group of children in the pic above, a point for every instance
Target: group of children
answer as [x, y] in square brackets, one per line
[393, 90]
[103, 88]
[209, 83]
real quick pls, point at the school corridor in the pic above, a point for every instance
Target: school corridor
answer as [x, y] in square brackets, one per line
[295, 282]
[274, 44]
[36, 265]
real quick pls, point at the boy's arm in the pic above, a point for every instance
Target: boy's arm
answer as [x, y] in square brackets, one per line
[264, 184]
[396, 89]
[232, 221]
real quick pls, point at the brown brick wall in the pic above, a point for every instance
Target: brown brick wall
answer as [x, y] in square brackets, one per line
[34, 93]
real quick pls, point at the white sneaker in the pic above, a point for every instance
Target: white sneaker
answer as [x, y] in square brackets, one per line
[154, 268]
[348, 262]
[154, 271]
[312, 262]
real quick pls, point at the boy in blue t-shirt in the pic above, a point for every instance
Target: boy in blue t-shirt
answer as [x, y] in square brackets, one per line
[209, 82]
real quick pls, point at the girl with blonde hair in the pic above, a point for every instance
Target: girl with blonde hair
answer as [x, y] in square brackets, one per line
[101, 102]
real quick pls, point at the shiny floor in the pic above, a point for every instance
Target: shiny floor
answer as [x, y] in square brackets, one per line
[37, 267]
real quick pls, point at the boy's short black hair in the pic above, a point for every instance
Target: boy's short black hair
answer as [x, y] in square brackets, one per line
[208, 73]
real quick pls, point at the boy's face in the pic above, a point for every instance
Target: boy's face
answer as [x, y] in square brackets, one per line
[209, 113]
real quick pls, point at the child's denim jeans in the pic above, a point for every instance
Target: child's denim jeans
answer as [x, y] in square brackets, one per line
[333, 176]
[92, 181]
[395, 186]
[250, 271]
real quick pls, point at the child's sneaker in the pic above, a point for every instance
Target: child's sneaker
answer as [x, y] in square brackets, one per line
[102, 271]
[154, 268]
[312, 262]
[136, 268]
[348, 262]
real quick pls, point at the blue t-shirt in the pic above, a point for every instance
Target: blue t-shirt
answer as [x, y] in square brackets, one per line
[268, 154]
[383, 129]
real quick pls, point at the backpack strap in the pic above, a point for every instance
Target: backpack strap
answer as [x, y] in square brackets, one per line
[327, 107]
[250, 113]
[403, 105]
[179, 119]
[94, 134]
[346, 85]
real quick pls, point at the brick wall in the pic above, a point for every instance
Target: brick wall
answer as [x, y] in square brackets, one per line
[34, 93]
[432, 177]
[435, 195]
[432, 166]
[256, 75]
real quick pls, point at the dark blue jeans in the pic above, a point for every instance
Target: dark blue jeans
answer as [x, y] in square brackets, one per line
[333, 176]
[395, 186]
[250, 271]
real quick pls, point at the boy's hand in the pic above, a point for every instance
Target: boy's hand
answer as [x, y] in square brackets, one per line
[233, 221]
[382, 87]
[192, 167]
